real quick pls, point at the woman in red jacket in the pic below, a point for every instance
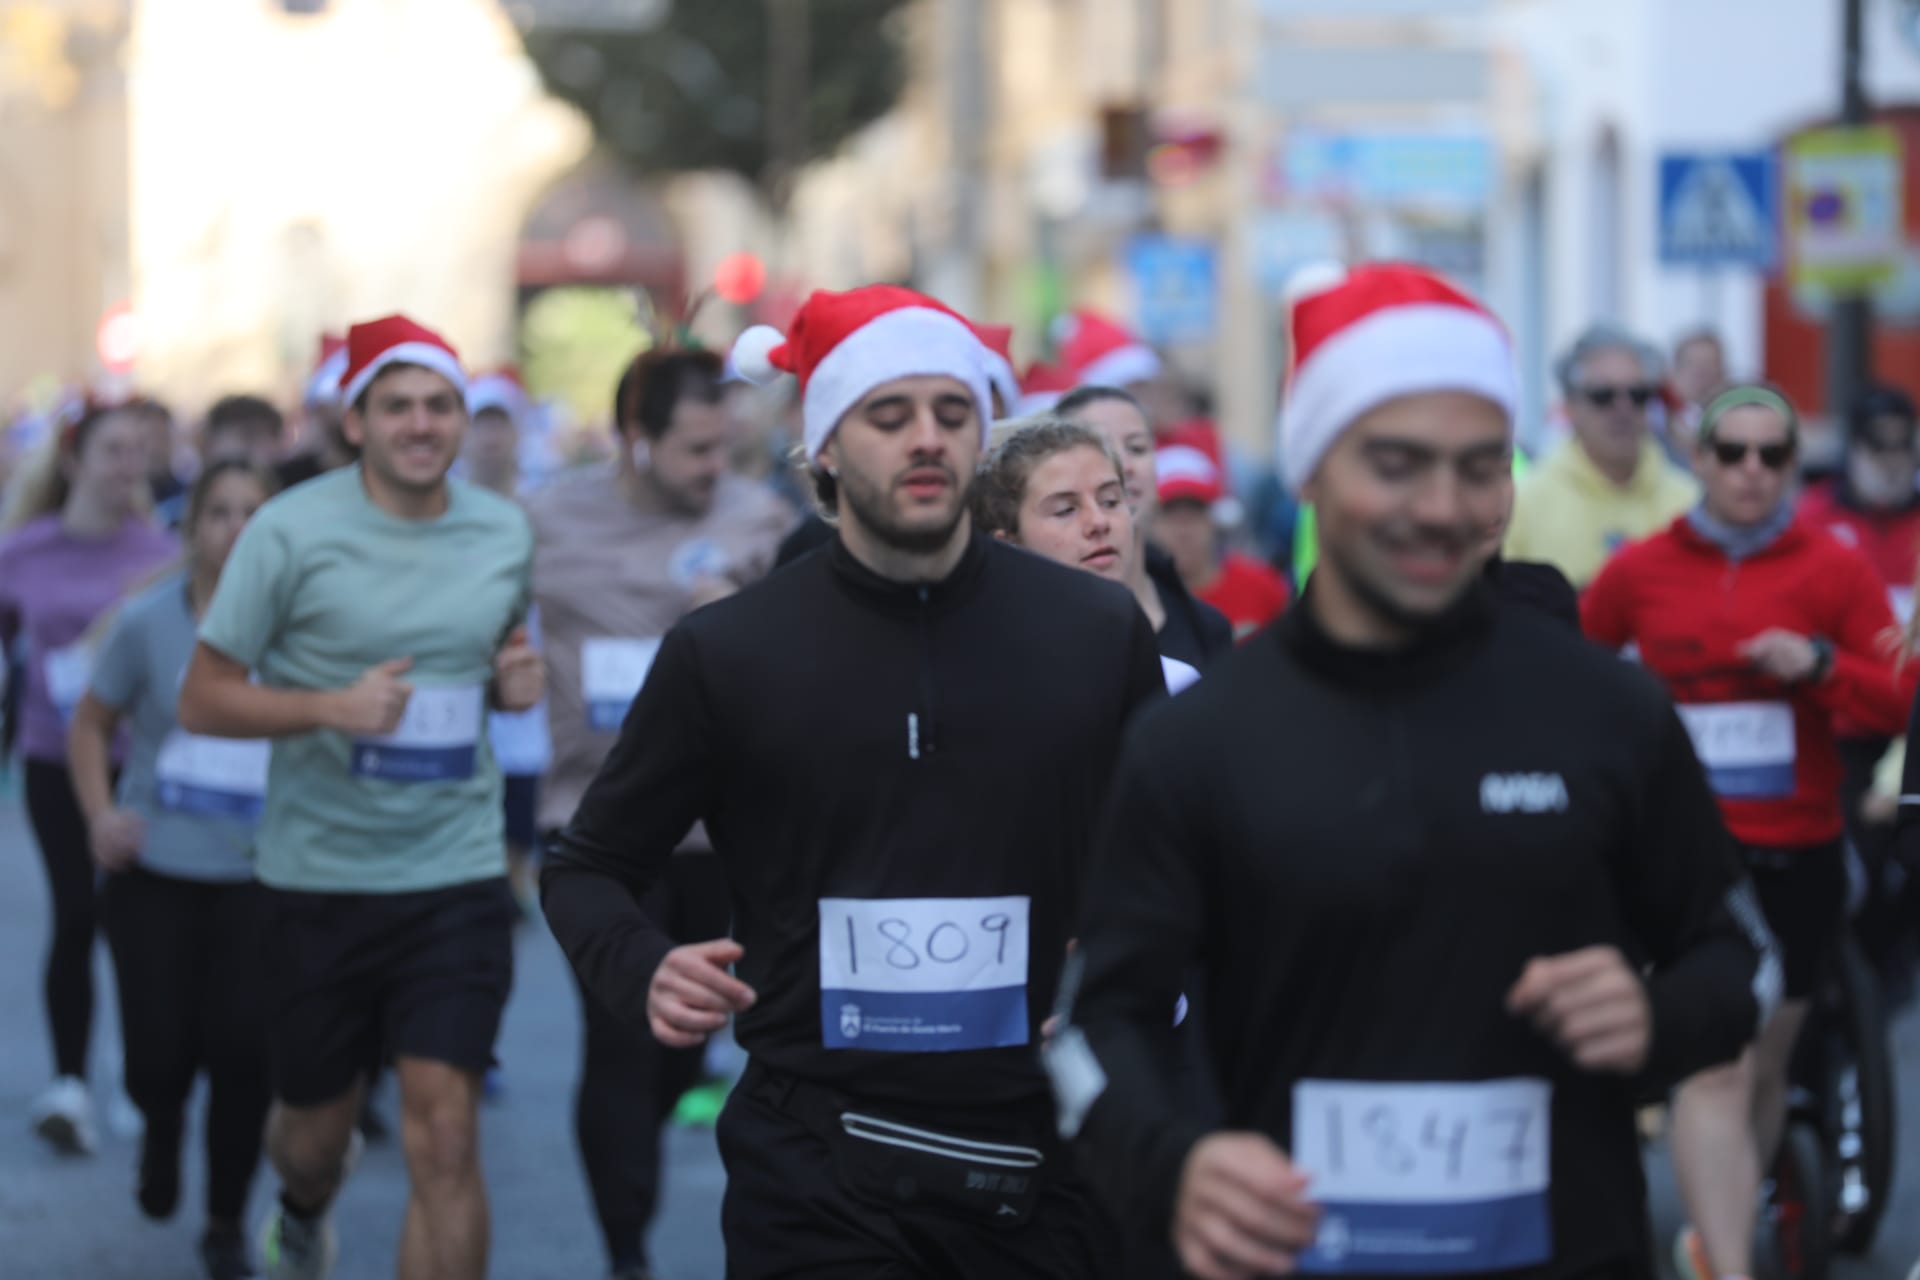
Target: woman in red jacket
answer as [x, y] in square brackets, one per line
[1764, 628]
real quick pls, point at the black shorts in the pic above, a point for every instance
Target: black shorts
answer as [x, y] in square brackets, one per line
[358, 978]
[522, 791]
[1803, 894]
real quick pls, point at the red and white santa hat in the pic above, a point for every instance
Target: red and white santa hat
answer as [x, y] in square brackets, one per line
[1101, 353]
[998, 340]
[1044, 387]
[1363, 337]
[377, 344]
[497, 389]
[843, 345]
[1186, 473]
[323, 387]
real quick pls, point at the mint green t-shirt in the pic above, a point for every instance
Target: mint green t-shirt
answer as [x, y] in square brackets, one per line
[322, 585]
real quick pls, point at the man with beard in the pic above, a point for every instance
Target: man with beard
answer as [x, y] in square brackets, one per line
[622, 553]
[1489, 908]
[898, 747]
[381, 608]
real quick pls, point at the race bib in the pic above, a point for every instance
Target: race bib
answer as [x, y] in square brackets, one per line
[437, 741]
[521, 742]
[611, 673]
[212, 777]
[68, 671]
[1426, 1178]
[923, 975]
[1747, 747]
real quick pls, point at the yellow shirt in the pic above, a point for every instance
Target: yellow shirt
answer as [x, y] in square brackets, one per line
[1569, 514]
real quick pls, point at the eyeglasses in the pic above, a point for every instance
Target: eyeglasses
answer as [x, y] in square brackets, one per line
[1773, 457]
[1603, 397]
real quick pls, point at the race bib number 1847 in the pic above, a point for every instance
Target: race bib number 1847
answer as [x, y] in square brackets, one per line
[1416, 1178]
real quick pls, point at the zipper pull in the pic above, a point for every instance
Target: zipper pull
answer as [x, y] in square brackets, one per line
[913, 736]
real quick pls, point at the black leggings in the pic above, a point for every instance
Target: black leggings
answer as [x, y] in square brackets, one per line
[630, 1082]
[62, 835]
[192, 998]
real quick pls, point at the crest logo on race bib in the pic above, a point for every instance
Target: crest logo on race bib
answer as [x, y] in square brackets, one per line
[1334, 1239]
[850, 1021]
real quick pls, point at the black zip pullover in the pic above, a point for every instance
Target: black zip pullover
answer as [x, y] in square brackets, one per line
[920, 768]
[1362, 851]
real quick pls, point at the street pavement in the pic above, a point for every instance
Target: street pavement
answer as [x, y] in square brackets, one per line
[66, 1219]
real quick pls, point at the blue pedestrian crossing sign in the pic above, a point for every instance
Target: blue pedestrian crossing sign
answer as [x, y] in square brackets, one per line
[1719, 209]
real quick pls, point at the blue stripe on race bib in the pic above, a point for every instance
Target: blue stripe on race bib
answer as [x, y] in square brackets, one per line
[206, 802]
[1752, 782]
[607, 715]
[920, 1022]
[1430, 1239]
[413, 764]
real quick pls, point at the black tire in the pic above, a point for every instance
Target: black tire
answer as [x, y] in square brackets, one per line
[1799, 1224]
[1864, 1134]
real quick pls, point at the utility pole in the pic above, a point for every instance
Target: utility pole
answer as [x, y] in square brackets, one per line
[1850, 322]
[788, 54]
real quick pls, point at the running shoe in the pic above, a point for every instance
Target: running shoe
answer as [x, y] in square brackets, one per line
[223, 1252]
[296, 1248]
[63, 1117]
[1690, 1259]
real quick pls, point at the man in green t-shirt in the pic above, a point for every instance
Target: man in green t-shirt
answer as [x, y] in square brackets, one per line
[366, 622]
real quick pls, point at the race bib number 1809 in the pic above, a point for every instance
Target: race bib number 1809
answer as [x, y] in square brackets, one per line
[1417, 1178]
[923, 975]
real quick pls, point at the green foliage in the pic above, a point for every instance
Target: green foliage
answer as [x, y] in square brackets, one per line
[690, 92]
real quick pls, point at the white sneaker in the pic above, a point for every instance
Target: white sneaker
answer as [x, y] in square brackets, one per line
[293, 1249]
[63, 1116]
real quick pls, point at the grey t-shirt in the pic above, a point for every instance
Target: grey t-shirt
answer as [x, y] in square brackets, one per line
[201, 797]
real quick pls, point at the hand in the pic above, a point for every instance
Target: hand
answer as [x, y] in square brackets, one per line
[1592, 1003]
[373, 705]
[707, 590]
[1242, 1210]
[1782, 654]
[519, 674]
[116, 838]
[692, 994]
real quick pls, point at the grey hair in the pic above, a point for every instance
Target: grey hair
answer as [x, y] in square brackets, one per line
[1606, 336]
[1019, 447]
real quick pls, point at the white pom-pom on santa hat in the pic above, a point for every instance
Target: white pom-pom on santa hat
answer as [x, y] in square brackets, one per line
[753, 352]
[1377, 333]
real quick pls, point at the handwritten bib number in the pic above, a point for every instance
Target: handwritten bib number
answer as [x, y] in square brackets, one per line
[212, 777]
[923, 975]
[1426, 1178]
[611, 673]
[437, 741]
[68, 671]
[1746, 747]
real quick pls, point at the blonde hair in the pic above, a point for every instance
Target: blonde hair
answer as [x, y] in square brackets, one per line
[39, 486]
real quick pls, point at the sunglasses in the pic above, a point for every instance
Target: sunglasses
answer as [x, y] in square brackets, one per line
[1773, 457]
[1603, 397]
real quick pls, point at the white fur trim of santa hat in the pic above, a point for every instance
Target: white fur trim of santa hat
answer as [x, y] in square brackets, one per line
[1378, 333]
[380, 344]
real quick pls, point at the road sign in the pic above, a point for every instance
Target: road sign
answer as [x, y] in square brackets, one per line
[1397, 168]
[1719, 210]
[1175, 293]
[1844, 212]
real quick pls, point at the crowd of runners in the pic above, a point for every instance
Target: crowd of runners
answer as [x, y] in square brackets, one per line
[1090, 897]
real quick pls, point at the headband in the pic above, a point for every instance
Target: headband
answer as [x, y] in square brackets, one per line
[1741, 397]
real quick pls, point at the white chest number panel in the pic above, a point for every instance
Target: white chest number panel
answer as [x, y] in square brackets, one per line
[437, 741]
[923, 975]
[611, 673]
[68, 671]
[212, 777]
[1747, 747]
[1425, 1178]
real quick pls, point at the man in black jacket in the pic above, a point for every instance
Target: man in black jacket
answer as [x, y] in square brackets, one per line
[1424, 849]
[899, 747]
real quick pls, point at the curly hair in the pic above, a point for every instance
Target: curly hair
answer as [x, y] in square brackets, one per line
[1001, 486]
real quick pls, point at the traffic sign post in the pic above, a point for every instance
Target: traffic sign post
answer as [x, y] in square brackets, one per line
[1719, 209]
[1176, 297]
[1844, 208]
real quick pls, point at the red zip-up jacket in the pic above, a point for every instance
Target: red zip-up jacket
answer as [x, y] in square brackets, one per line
[1767, 746]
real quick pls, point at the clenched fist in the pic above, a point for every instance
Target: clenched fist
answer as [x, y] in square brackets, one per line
[519, 674]
[373, 705]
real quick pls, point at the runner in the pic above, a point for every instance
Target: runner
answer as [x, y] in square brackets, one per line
[1764, 628]
[380, 606]
[1057, 488]
[1249, 593]
[79, 538]
[1438, 1034]
[620, 555]
[185, 921]
[1188, 630]
[897, 745]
